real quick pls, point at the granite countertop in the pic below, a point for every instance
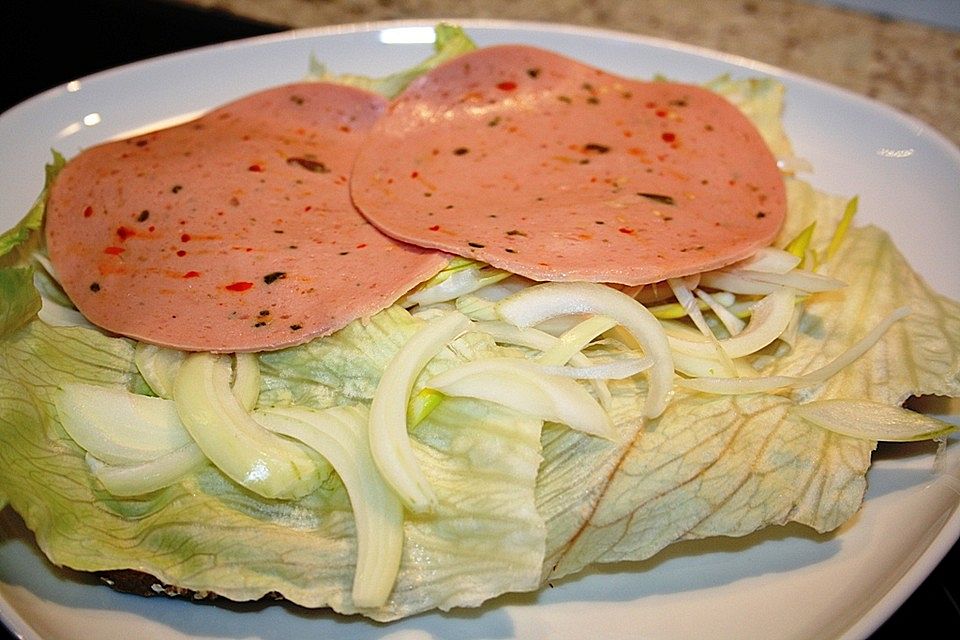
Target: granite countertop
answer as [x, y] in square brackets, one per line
[911, 66]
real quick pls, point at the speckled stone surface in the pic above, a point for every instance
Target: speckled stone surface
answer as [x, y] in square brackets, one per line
[910, 66]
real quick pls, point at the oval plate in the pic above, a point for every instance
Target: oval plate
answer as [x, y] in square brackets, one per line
[783, 582]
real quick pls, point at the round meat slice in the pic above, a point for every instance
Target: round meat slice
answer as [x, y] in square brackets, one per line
[555, 170]
[232, 232]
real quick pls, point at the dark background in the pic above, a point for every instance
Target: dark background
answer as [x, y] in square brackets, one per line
[44, 45]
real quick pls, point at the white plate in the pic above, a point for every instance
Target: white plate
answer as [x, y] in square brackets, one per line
[782, 583]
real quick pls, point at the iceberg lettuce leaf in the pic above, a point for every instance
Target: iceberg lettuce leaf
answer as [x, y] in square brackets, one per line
[18, 240]
[450, 41]
[19, 300]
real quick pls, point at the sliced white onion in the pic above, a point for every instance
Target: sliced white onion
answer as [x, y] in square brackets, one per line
[58, 315]
[158, 366]
[524, 386]
[731, 322]
[614, 370]
[685, 297]
[576, 339]
[749, 282]
[477, 308]
[531, 338]
[541, 302]
[736, 386]
[340, 435]
[136, 479]
[770, 316]
[267, 464]
[460, 282]
[697, 366]
[119, 427]
[689, 303]
[246, 379]
[872, 420]
[389, 440]
[44, 261]
[769, 260]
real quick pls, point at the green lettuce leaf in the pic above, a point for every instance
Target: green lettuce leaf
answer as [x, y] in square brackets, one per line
[16, 242]
[450, 42]
[19, 300]
[761, 100]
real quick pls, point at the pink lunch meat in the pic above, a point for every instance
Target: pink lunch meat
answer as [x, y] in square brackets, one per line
[232, 232]
[549, 168]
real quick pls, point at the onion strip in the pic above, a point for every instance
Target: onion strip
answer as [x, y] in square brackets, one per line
[389, 440]
[541, 302]
[340, 435]
[736, 386]
[868, 420]
[524, 386]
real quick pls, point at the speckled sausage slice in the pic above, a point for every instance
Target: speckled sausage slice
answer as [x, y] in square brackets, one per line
[546, 167]
[233, 232]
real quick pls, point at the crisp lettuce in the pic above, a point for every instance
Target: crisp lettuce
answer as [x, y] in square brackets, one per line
[450, 41]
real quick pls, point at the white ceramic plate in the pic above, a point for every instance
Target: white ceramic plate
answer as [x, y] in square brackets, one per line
[782, 583]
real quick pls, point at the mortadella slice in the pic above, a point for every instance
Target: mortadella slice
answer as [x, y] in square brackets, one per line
[232, 232]
[555, 170]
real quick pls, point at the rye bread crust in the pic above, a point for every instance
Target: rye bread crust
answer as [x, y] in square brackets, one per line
[143, 584]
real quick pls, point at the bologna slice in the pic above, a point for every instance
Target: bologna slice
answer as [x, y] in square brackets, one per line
[232, 232]
[546, 167]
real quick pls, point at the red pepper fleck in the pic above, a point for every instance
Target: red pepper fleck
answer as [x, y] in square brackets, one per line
[362, 245]
[256, 168]
[125, 232]
[507, 85]
[239, 286]
[88, 211]
[192, 274]
[626, 230]
[181, 253]
[435, 227]
[414, 174]
[661, 113]
[668, 136]
[185, 237]
[114, 251]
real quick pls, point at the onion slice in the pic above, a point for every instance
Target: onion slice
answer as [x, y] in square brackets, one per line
[389, 440]
[139, 478]
[735, 386]
[548, 300]
[576, 339]
[265, 463]
[119, 427]
[524, 386]
[506, 333]
[750, 282]
[868, 420]
[340, 435]
[769, 317]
